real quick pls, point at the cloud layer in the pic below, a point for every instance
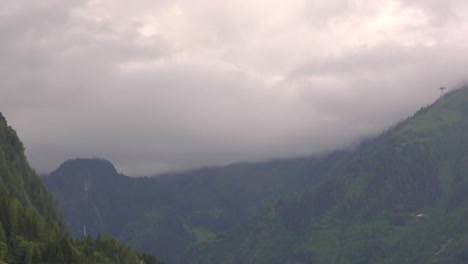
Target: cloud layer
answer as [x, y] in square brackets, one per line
[164, 85]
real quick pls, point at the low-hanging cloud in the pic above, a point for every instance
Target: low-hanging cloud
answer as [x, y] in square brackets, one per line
[162, 85]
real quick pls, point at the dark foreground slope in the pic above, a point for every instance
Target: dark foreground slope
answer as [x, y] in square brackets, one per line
[170, 213]
[31, 228]
[402, 199]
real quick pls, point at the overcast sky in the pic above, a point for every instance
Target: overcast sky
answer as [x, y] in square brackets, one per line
[160, 85]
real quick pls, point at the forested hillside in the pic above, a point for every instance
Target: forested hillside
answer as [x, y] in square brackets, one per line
[171, 213]
[31, 228]
[402, 199]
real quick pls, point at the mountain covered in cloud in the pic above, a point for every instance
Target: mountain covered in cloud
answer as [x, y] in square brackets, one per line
[402, 199]
[398, 197]
[165, 86]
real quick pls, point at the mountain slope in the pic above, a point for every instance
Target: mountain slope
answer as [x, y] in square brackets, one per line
[17, 178]
[31, 228]
[402, 199]
[169, 213]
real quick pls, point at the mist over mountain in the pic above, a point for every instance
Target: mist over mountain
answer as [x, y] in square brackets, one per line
[402, 199]
[379, 202]
[233, 131]
[157, 86]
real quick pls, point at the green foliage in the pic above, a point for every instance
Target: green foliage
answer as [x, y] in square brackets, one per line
[19, 180]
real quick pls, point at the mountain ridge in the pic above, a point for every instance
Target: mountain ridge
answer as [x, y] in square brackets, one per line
[184, 208]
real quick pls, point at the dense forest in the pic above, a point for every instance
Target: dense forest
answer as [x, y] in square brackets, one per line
[31, 228]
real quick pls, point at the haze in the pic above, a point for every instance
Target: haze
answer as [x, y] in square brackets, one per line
[165, 85]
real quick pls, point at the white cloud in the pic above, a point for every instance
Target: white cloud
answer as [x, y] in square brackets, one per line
[163, 85]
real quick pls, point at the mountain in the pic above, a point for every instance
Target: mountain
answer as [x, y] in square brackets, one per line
[168, 214]
[403, 198]
[18, 180]
[31, 228]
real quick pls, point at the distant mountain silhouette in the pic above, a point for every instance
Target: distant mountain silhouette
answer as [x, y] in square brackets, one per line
[170, 213]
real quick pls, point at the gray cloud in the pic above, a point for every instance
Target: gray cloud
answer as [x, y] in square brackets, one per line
[158, 85]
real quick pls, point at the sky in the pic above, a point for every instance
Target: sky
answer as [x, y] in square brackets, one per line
[161, 85]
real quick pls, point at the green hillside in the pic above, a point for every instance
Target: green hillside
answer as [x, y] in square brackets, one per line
[167, 214]
[31, 228]
[17, 178]
[402, 199]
